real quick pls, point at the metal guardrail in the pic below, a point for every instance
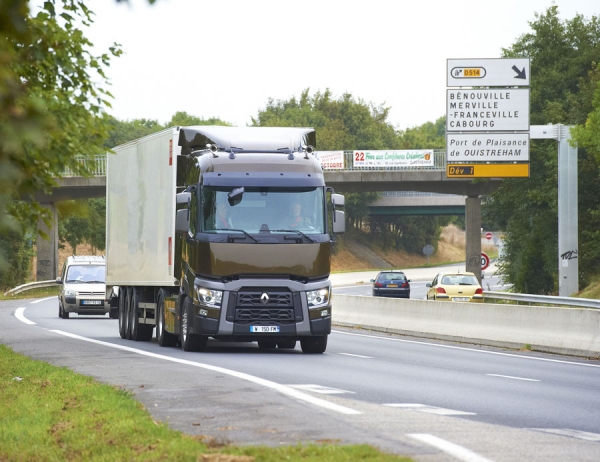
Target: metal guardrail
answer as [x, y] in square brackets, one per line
[544, 299]
[30, 286]
[520, 298]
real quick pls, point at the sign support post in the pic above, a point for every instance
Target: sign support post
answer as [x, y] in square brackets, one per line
[568, 264]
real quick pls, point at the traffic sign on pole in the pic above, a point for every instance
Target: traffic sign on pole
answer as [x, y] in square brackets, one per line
[494, 72]
[475, 170]
[485, 261]
[498, 109]
[487, 147]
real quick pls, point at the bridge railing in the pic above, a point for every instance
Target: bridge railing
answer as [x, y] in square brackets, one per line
[97, 164]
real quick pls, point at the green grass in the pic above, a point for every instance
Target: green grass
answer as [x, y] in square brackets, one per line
[49, 413]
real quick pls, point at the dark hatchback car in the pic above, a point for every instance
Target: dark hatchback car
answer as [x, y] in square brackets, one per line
[391, 284]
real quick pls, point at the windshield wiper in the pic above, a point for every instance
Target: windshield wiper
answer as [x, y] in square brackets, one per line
[236, 230]
[293, 231]
[94, 282]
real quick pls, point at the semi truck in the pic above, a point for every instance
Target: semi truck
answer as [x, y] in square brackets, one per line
[224, 233]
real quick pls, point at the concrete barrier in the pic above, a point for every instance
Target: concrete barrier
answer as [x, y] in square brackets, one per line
[569, 331]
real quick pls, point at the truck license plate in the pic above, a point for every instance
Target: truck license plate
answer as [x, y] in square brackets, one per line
[91, 302]
[264, 328]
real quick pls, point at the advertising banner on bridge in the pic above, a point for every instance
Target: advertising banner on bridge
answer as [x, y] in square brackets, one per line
[405, 158]
[331, 160]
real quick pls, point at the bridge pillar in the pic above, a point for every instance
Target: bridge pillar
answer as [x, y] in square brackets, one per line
[473, 235]
[47, 249]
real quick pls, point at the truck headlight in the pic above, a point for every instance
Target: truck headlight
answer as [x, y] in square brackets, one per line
[69, 293]
[318, 297]
[208, 297]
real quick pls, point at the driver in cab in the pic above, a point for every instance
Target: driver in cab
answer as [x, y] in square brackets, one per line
[298, 219]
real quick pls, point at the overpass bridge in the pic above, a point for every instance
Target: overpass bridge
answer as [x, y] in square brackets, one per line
[408, 190]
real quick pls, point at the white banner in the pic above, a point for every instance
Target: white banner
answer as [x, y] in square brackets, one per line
[331, 160]
[403, 158]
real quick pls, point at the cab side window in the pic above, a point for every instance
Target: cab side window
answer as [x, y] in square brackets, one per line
[193, 213]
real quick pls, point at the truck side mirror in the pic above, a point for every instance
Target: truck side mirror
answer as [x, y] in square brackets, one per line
[182, 222]
[337, 200]
[339, 222]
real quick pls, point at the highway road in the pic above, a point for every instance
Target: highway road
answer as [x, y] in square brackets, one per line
[430, 400]
[418, 289]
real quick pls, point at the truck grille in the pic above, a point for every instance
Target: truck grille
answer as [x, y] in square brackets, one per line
[252, 306]
[89, 294]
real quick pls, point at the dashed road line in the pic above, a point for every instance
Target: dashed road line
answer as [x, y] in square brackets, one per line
[568, 432]
[428, 409]
[511, 377]
[455, 450]
[356, 356]
[20, 315]
[320, 389]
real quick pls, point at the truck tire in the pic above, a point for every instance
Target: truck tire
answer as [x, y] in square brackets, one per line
[128, 313]
[164, 338]
[314, 345]
[190, 341]
[139, 332]
[122, 313]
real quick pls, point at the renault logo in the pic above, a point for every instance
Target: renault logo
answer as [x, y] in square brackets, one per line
[264, 298]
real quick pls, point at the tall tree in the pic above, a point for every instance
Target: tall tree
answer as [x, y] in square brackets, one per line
[430, 135]
[182, 118]
[52, 101]
[562, 55]
[120, 132]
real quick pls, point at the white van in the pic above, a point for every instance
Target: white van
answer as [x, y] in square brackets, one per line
[82, 286]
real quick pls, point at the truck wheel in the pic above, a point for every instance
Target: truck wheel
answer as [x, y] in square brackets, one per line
[62, 313]
[190, 341]
[267, 343]
[288, 343]
[128, 314]
[139, 332]
[164, 338]
[122, 313]
[314, 345]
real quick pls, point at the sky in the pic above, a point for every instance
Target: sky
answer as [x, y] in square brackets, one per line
[227, 58]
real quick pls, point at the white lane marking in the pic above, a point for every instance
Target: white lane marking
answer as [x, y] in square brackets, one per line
[452, 347]
[288, 391]
[568, 432]
[44, 299]
[20, 315]
[356, 356]
[320, 389]
[511, 377]
[429, 409]
[450, 448]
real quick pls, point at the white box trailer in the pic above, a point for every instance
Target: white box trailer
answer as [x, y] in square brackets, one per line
[140, 211]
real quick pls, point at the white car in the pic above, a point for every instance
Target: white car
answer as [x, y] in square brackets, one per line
[82, 286]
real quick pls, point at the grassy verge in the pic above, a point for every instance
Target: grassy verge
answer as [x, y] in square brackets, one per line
[53, 414]
[42, 292]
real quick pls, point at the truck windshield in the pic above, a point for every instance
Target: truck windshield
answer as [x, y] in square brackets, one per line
[261, 210]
